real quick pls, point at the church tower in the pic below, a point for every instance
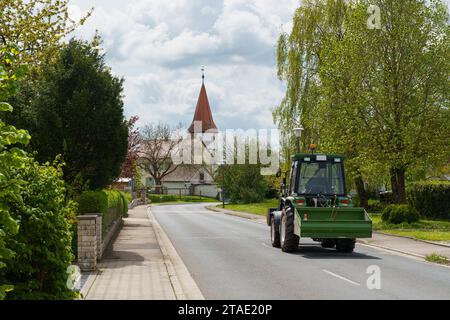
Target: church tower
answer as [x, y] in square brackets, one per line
[203, 112]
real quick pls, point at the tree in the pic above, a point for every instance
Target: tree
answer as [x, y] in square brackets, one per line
[35, 216]
[390, 87]
[129, 166]
[243, 183]
[76, 111]
[36, 27]
[11, 159]
[378, 94]
[158, 145]
[300, 58]
[240, 177]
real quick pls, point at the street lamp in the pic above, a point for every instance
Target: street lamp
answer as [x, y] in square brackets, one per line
[223, 186]
[298, 133]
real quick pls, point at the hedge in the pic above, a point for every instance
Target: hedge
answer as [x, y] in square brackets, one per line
[112, 204]
[430, 198]
[42, 244]
[158, 198]
[399, 213]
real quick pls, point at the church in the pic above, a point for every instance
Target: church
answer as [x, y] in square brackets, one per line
[194, 179]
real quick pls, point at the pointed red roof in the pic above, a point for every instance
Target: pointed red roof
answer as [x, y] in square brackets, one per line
[203, 113]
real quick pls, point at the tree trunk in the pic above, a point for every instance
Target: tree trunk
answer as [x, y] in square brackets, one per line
[401, 189]
[158, 186]
[398, 185]
[362, 193]
[394, 187]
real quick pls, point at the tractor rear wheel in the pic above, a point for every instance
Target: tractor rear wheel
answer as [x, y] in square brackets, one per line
[328, 243]
[288, 240]
[345, 245]
[274, 233]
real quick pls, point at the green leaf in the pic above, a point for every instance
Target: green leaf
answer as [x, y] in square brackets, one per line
[5, 107]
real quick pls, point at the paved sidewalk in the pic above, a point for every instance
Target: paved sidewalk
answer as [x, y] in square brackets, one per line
[407, 245]
[133, 267]
[400, 244]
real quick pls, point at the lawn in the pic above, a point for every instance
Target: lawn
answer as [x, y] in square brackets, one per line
[256, 208]
[432, 230]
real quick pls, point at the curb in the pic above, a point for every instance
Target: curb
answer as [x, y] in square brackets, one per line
[181, 280]
[364, 242]
[84, 291]
[245, 215]
[411, 238]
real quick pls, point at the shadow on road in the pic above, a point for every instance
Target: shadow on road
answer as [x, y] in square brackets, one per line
[312, 251]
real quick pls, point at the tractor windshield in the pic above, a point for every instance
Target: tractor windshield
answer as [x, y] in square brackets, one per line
[326, 178]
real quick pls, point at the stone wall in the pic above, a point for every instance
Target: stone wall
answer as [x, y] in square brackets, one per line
[91, 245]
[87, 241]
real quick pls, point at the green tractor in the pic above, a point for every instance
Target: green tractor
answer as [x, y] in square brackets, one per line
[315, 205]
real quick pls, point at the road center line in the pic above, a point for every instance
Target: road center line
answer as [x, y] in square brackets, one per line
[340, 277]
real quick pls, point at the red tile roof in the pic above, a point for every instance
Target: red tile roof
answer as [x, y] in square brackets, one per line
[203, 113]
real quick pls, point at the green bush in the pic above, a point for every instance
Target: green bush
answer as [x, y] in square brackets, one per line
[375, 206]
[42, 245]
[243, 183]
[157, 198]
[248, 195]
[125, 202]
[111, 204]
[386, 214]
[430, 198]
[397, 214]
[127, 196]
[92, 202]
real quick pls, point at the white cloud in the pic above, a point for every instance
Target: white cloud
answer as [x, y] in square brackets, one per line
[159, 47]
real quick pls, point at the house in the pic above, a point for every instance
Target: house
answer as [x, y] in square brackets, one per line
[189, 179]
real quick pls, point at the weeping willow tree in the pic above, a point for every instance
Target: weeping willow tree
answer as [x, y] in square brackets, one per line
[316, 25]
[378, 95]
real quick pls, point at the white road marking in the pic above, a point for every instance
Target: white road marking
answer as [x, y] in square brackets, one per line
[340, 277]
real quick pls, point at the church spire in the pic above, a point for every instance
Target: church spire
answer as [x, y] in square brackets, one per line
[203, 112]
[203, 75]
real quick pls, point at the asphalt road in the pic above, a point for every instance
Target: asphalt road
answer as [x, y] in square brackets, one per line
[231, 258]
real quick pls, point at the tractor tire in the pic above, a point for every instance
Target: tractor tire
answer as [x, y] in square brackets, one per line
[328, 243]
[345, 245]
[274, 233]
[288, 240]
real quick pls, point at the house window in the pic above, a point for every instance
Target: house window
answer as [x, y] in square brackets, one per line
[202, 176]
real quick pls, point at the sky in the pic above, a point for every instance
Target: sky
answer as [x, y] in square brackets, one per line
[160, 46]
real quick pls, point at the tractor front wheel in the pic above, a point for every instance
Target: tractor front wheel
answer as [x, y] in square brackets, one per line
[288, 240]
[274, 233]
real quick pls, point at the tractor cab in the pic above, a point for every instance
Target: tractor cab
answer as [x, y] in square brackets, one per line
[315, 205]
[319, 179]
